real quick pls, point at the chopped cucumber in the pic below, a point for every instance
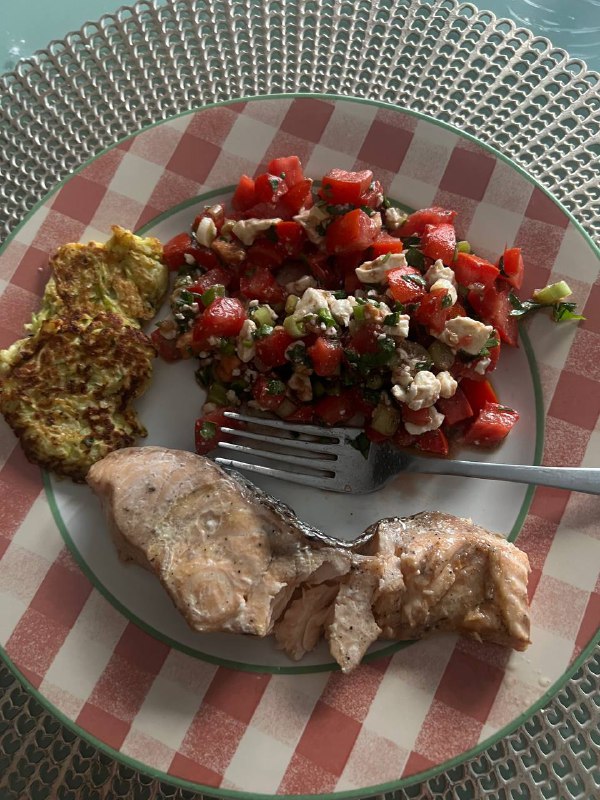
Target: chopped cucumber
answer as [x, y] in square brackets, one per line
[553, 293]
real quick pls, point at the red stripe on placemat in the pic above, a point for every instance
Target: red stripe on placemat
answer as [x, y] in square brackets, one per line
[121, 688]
[101, 170]
[353, 694]
[307, 118]
[193, 158]
[558, 607]
[212, 126]
[62, 595]
[565, 444]
[33, 271]
[385, 146]
[591, 310]
[103, 725]
[141, 649]
[469, 685]
[589, 622]
[212, 739]
[539, 243]
[328, 738]
[463, 205]
[22, 483]
[584, 355]
[188, 770]
[79, 198]
[35, 641]
[57, 229]
[535, 538]
[549, 503]
[576, 400]
[446, 733]
[236, 693]
[16, 307]
[543, 208]
[467, 173]
[417, 763]
[303, 776]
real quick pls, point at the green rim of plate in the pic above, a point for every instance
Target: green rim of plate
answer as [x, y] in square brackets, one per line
[446, 765]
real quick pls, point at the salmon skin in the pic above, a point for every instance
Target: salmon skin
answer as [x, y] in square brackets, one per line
[234, 559]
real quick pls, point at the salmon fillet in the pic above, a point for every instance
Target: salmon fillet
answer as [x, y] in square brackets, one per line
[235, 559]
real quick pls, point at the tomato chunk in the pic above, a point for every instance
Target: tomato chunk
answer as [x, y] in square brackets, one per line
[373, 197]
[439, 241]
[270, 350]
[326, 356]
[268, 188]
[340, 186]
[244, 196]
[456, 408]
[334, 409]
[304, 413]
[211, 278]
[223, 317]
[420, 417]
[289, 168]
[470, 269]
[416, 222]
[384, 244]
[166, 348]
[265, 253]
[433, 442]
[511, 267]
[269, 392]
[260, 284]
[478, 393]
[297, 197]
[433, 311]
[493, 306]
[182, 245]
[291, 236]
[351, 232]
[406, 284]
[207, 430]
[492, 425]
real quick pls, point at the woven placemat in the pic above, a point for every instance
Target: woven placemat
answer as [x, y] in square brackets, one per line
[512, 90]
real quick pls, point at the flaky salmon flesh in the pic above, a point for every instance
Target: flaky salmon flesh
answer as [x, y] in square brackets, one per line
[236, 560]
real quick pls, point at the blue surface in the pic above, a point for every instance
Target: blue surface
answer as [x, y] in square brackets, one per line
[29, 25]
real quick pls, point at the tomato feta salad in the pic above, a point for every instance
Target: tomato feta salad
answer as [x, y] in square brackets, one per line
[331, 305]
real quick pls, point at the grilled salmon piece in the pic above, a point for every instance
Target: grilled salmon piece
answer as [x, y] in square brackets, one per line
[234, 559]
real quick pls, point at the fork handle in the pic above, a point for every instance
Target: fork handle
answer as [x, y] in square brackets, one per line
[575, 479]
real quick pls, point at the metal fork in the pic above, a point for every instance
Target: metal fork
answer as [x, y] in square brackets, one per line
[325, 459]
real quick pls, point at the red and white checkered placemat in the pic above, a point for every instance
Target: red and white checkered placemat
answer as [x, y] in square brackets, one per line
[319, 732]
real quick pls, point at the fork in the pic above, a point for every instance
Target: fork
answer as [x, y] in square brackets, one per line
[325, 459]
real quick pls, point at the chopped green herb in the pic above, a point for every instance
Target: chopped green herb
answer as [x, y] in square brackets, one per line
[203, 376]
[421, 366]
[275, 387]
[446, 301]
[338, 210]
[392, 319]
[368, 210]
[208, 430]
[417, 280]
[561, 312]
[564, 311]
[362, 444]
[274, 183]
[340, 294]
[411, 241]
[227, 347]
[415, 258]
[186, 297]
[324, 314]
[217, 393]
[218, 290]
[493, 341]
[321, 228]
[506, 408]
[262, 331]
[296, 353]
[399, 308]
[282, 175]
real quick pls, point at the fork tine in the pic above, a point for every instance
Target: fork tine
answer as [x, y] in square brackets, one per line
[282, 425]
[292, 444]
[319, 482]
[326, 465]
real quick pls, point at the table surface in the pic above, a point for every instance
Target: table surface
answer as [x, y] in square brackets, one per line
[572, 25]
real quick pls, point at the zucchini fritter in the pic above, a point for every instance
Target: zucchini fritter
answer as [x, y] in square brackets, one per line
[66, 390]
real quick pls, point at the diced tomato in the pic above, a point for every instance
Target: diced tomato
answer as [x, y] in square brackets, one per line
[478, 393]
[289, 168]
[223, 317]
[176, 249]
[326, 356]
[291, 236]
[261, 285]
[420, 417]
[211, 278]
[468, 369]
[351, 283]
[265, 253]
[270, 350]
[374, 435]
[340, 186]
[269, 392]
[208, 430]
[333, 409]
[416, 222]
[470, 269]
[244, 196]
[269, 188]
[403, 288]
[402, 438]
[432, 311]
[363, 406]
[351, 232]
[492, 425]
[216, 213]
[304, 413]
[384, 244]
[493, 306]
[512, 269]
[299, 196]
[456, 408]
[166, 348]
[373, 197]
[433, 442]
[318, 264]
[439, 241]
[364, 340]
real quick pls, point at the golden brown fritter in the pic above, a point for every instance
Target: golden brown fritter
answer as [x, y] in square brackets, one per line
[67, 391]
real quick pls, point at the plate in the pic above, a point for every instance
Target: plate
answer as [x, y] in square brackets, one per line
[98, 641]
